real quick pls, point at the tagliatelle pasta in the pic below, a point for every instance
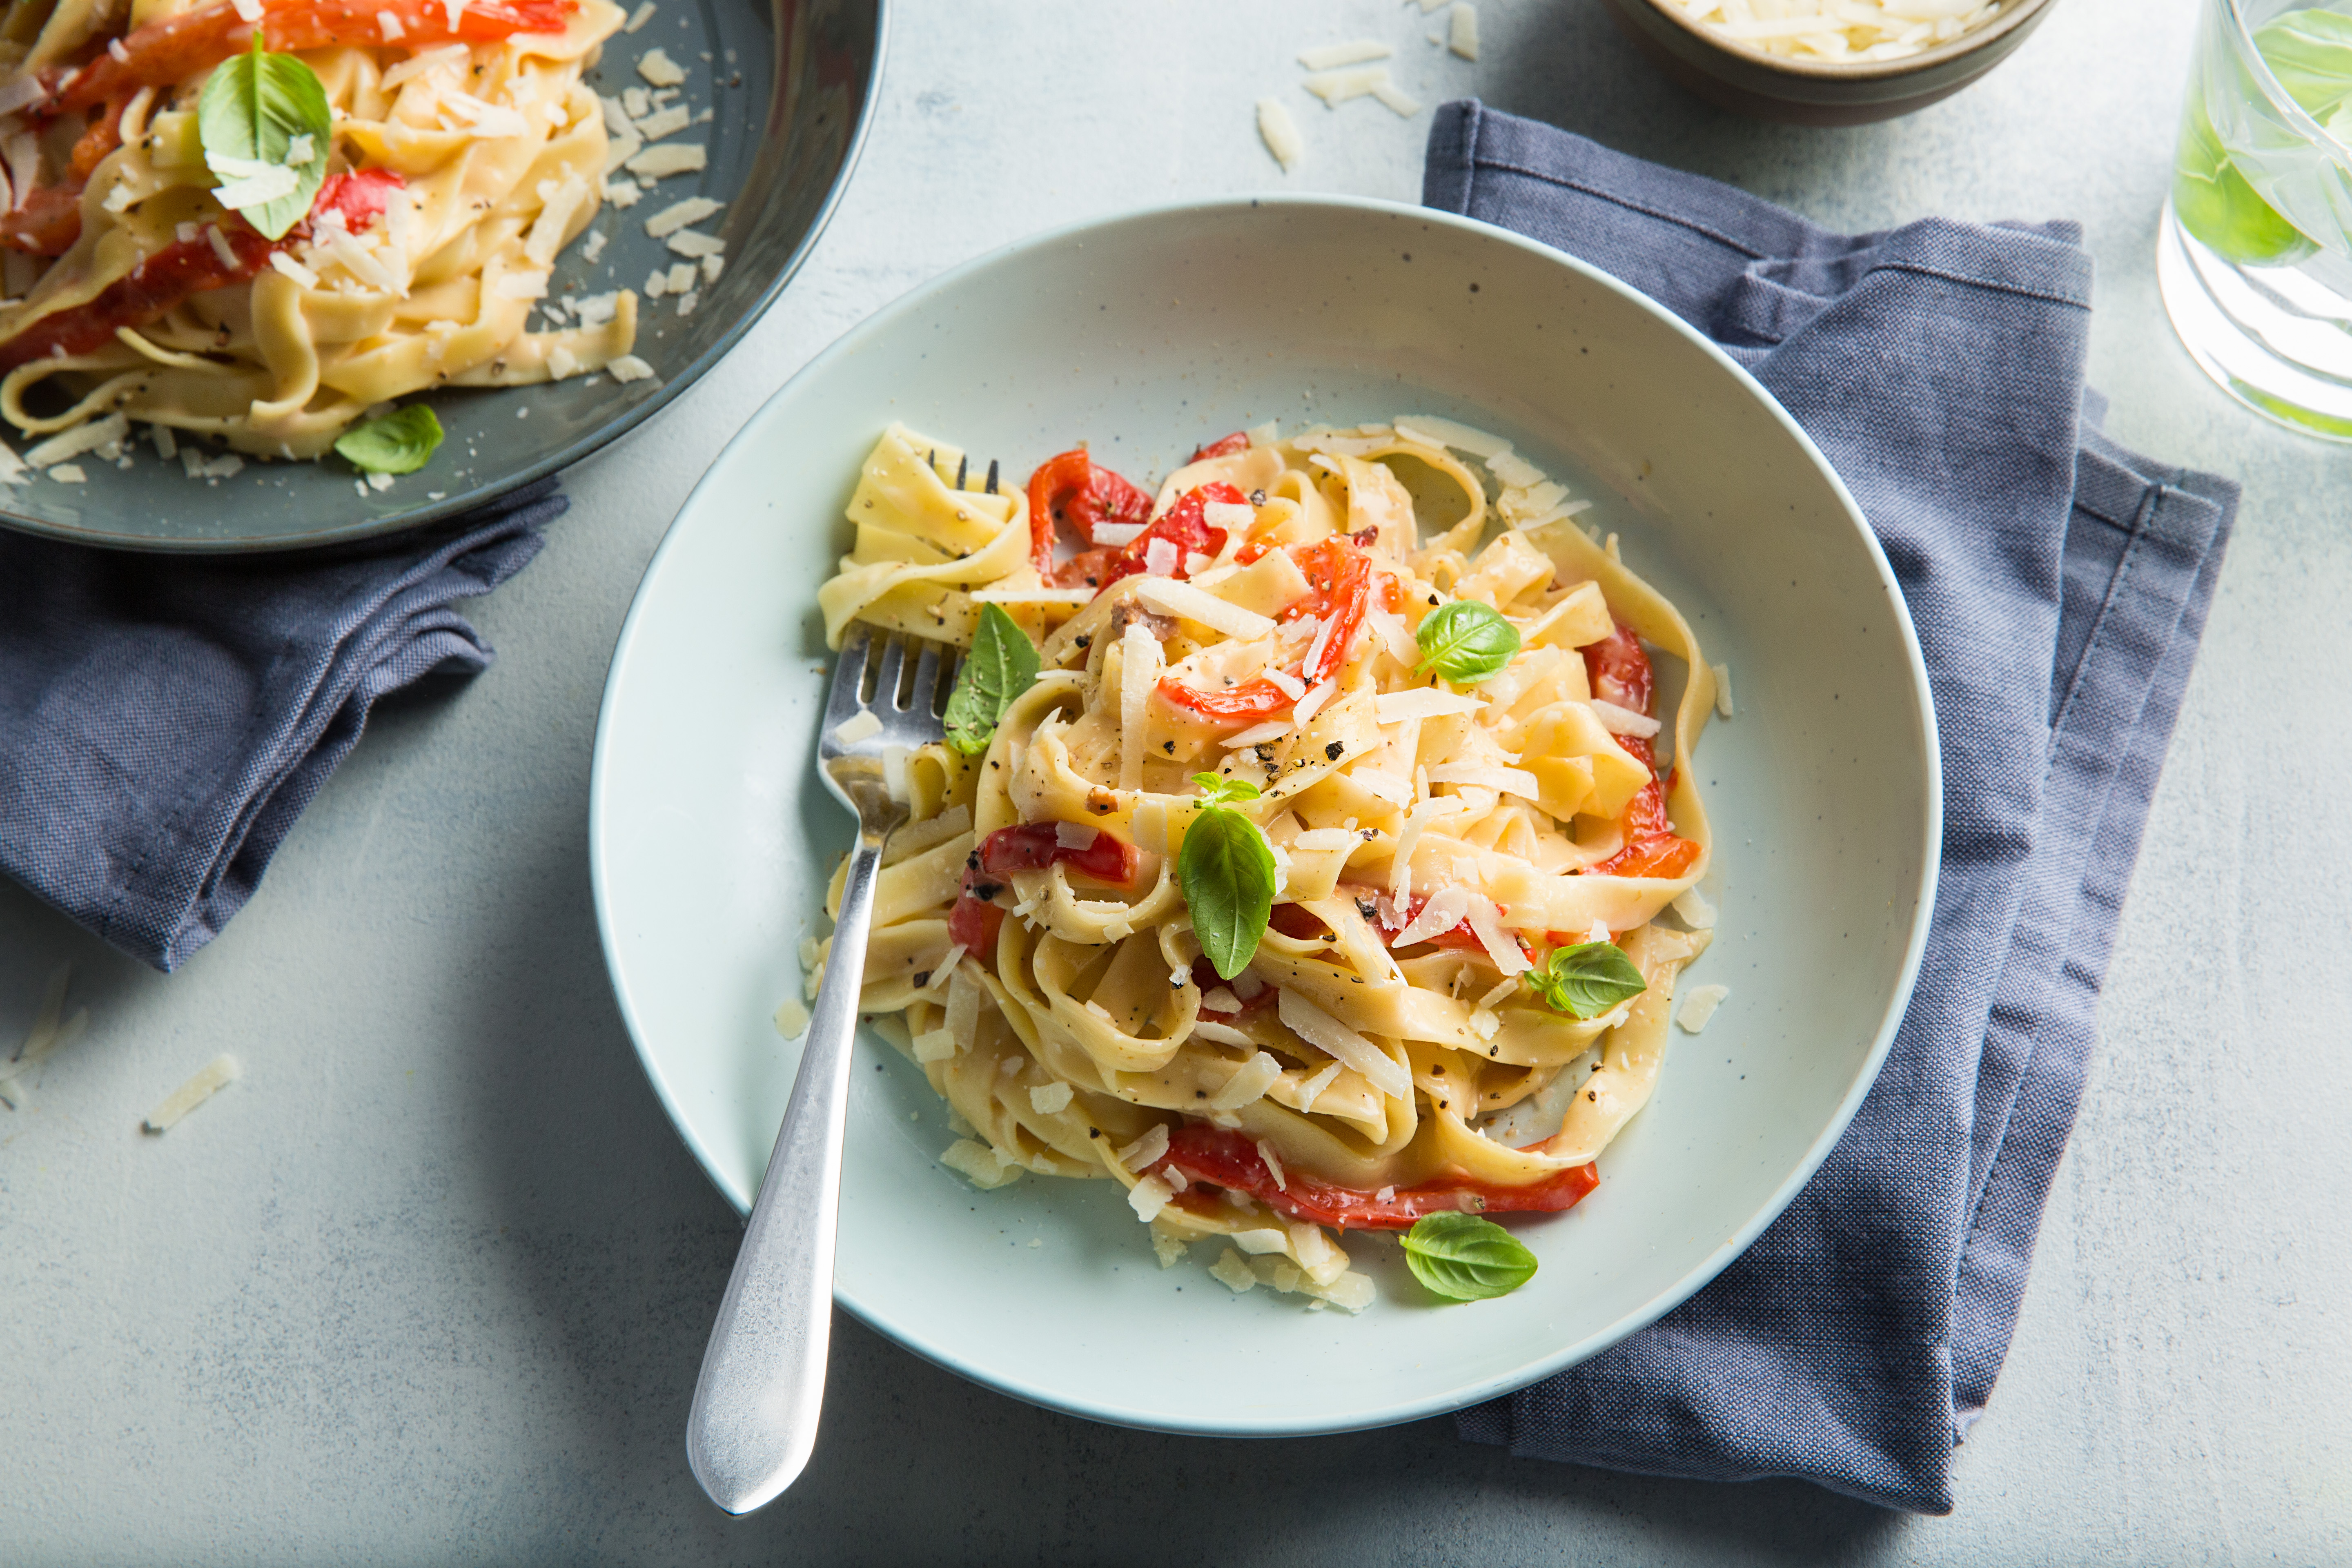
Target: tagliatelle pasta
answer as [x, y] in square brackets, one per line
[1437, 839]
[466, 154]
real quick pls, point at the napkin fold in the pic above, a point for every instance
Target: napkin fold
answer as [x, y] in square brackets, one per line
[2059, 584]
[164, 719]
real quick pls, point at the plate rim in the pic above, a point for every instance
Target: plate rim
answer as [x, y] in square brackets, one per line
[460, 505]
[882, 319]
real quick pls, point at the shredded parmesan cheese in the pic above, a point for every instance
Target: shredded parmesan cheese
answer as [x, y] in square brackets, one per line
[1421, 702]
[1189, 602]
[1148, 1197]
[217, 1075]
[1326, 1034]
[1140, 667]
[669, 158]
[1279, 132]
[1248, 1084]
[1856, 32]
[1624, 720]
[1233, 1272]
[1148, 1149]
[1462, 30]
[1699, 1006]
[1331, 56]
[981, 1166]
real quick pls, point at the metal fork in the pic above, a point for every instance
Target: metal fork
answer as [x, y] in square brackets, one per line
[756, 1404]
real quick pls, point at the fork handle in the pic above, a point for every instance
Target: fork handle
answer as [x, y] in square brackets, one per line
[756, 1404]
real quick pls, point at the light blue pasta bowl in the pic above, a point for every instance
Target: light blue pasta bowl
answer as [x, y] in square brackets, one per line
[1146, 335]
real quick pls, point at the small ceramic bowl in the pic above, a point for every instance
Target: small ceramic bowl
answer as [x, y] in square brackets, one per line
[1747, 80]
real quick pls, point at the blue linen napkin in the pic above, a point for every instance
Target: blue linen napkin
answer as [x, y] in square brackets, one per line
[164, 719]
[2059, 585]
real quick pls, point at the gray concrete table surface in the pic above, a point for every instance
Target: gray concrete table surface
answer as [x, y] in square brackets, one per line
[431, 1283]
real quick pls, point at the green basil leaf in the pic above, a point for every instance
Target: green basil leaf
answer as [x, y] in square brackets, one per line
[2214, 201]
[1587, 980]
[2310, 52]
[1002, 665]
[1226, 870]
[1464, 1258]
[264, 126]
[400, 443]
[1466, 641]
[1216, 789]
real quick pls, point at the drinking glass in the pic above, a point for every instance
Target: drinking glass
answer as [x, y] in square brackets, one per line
[2254, 251]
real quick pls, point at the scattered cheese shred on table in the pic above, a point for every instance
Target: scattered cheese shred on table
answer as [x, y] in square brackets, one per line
[1723, 689]
[46, 1038]
[1462, 30]
[1336, 86]
[1700, 1006]
[1347, 54]
[220, 1072]
[1280, 134]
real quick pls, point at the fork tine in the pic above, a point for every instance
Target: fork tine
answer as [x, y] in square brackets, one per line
[849, 675]
[927, 680]
[889, 676]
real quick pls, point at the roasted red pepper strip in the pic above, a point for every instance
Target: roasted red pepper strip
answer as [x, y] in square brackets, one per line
[1621, 673]
[1339, 582]
[159, 282]
[178, 47]
[1225, 447]
[973, 923]
[1030, 846]
[1185, 528]
[50, 219]
[191, 267]
[48, 224]
[1074, 488]
[360, 195]
[1228, 1158]
[1368, 903]
[1619, 668]
[1651, 850]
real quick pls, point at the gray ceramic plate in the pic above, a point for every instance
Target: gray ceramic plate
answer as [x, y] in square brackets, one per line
[790, 82]
[710, 839]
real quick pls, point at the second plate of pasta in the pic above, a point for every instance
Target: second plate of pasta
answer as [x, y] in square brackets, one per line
[1542, 670]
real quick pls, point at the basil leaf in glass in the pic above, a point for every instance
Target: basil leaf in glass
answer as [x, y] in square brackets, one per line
[1587, 980]
[400, 443]
[1466, 641]
[2310, 52]
[1464, 1258]
[1226, 872]
[264, 126]
[1002, 665]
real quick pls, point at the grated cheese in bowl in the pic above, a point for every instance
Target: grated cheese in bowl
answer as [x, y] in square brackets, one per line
[1839, 31]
